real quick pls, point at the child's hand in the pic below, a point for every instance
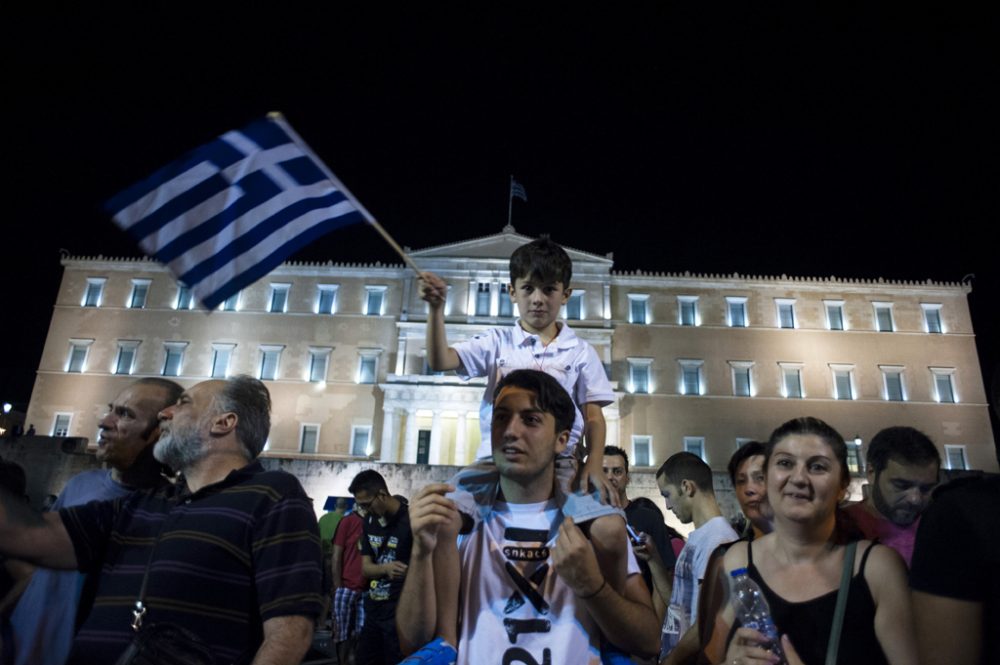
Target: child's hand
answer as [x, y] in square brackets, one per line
[433, 289]
[597, 479]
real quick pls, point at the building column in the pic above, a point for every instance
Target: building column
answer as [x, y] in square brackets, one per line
[494, 299]
[401, 355]
[390, 428]
[404, 310]
[470, 301]
[461, 439]
[434, 455]
[607, 305]
[410, 440]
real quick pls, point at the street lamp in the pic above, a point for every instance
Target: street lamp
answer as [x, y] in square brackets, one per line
[7, 406]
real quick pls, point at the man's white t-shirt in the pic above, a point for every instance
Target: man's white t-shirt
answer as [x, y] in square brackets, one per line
[513, 605]
[688, 573]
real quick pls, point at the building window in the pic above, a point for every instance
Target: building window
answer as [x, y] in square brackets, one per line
[319, 360]
[736, 311]
[691, 376]
[834, 314]
[61, 423]
[367, 367]
[695, 445]
[361, 440]
[955, 457]
[883, 316]
[308, 438]
[843, 381]
[483, 299]
[278, 302]
[741, 377]
[221, 354]
[786, 312]
[231, 304]
[506, 306]
[185, 299]
[78, 349]
[932, 318]
[642, 450]
[944, 384]
[892, 380]
[95, 292]
[854, 464]
[270, 354]
[791, 380]
[688, 308]
[125, 360]
[638, 375]
[140, 289]
[574, 306]
[326, 300]
[638, 308]
[375, 300]
[173, 358]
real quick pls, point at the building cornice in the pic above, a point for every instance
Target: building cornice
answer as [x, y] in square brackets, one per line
[736, 282]
[302, 268]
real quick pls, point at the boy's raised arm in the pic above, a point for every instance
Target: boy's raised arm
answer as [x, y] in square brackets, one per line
[440, 356]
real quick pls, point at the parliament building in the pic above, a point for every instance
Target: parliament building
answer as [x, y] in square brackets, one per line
[698, 362]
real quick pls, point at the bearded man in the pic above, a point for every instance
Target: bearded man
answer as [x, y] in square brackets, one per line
[231, 552]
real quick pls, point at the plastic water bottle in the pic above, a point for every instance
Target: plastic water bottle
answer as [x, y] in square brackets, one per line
[752, 610]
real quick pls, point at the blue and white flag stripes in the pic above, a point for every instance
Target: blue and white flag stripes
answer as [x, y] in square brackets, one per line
[232, 210]
[517, 191]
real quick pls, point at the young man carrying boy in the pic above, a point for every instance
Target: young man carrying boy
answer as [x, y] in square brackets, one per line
[530, 586]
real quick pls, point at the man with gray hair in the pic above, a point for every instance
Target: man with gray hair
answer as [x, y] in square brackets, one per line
[231, 552]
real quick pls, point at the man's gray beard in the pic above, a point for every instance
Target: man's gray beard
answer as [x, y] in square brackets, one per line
[179, 450]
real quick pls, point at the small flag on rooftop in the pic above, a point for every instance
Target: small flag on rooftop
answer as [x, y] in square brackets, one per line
[232, 210]
[517, 190]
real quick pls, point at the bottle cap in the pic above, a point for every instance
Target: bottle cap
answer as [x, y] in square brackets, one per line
[738, 572]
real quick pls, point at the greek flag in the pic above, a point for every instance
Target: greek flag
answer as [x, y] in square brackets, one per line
[517, 191]
[232, 210]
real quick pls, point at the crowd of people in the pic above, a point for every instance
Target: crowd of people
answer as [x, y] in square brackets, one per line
[185, 546]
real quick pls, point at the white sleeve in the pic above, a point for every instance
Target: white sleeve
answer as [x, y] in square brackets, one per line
[592, 385]
[477, 355]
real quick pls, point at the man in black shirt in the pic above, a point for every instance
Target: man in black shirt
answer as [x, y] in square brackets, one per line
[385, 553]
[642, 515]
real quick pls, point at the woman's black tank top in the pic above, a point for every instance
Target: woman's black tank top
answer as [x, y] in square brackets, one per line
[807, 623]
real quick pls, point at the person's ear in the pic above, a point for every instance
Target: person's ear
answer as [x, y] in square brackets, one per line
[562, 439]
[224, 423]
[687, 488]
[567, 292]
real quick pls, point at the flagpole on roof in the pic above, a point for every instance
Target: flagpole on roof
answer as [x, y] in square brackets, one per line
[510, 198]
[277, 117]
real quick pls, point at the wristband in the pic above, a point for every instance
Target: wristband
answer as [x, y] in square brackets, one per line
[604, 583]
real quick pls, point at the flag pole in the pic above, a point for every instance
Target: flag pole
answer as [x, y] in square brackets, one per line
[510, 198]
[277, 117]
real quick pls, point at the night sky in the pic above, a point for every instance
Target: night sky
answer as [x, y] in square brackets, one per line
[781, 140]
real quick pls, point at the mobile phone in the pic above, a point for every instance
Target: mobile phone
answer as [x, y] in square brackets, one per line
[633, 535]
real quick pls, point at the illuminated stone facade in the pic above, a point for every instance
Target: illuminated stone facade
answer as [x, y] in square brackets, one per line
[698, 361]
